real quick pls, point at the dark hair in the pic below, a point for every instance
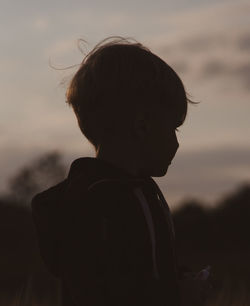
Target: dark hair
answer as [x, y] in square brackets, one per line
[117, 78]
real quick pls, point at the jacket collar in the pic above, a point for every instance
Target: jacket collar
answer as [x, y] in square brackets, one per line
[98, 169]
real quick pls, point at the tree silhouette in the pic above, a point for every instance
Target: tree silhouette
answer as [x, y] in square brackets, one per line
[41, 174]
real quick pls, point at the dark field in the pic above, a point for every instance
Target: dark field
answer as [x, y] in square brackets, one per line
[218, 237]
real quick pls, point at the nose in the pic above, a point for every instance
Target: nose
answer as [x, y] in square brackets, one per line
[176, 141]
[176, 145]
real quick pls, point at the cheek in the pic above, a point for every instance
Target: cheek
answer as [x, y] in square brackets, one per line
[171, 144]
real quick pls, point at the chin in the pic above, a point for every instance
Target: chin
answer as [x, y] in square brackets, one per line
[161, 172]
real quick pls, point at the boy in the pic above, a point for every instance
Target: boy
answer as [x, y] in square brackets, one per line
[106, 230]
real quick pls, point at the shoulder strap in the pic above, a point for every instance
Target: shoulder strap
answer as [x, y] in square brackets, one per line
[165, 206]
[114, 180]
[145, 208]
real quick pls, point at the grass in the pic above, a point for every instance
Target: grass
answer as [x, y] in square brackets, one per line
[232, 293]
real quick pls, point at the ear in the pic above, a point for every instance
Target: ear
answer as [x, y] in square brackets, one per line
[141, 125]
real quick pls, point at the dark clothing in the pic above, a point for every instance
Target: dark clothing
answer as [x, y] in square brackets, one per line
[109, 236]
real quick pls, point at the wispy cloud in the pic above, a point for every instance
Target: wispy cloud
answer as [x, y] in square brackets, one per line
[206, 174]
[41, 23]
[214, 43]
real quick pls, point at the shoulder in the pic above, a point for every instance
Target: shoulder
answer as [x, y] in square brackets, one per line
[45, 197]
[115, 195]
[113, 188]
[116, 199]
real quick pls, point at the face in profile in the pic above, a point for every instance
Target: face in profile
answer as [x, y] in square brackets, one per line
[161, 143]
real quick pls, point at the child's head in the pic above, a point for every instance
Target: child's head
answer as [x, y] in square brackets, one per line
[119, 87]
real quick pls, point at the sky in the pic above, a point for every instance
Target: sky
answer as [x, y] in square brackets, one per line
[206, 42]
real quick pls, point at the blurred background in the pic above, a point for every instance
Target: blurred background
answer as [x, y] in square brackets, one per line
[208, 183]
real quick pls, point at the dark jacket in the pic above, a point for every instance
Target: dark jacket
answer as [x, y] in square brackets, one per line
[108, 236]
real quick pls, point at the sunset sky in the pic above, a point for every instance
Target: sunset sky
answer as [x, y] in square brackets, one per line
[206, 42]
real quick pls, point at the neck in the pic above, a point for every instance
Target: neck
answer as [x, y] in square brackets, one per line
[123, 157]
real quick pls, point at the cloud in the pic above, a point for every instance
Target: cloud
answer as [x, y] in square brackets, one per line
[206, 174]
[244, 42]
[15, 156]
[41, 23]
[243, 71]
[210, 19]
[226, 158]
[214, 67]
[210, 48]
[61, 47]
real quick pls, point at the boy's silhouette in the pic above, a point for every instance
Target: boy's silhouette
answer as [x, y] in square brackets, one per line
[106, 230]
